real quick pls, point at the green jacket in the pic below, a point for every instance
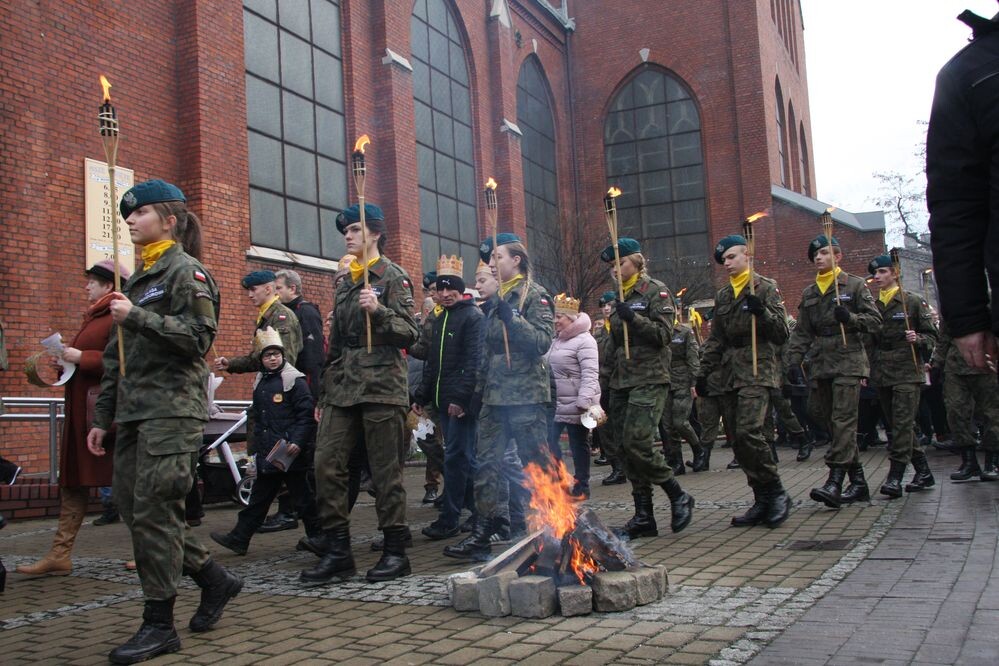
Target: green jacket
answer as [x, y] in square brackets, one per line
[730, 348]
[819, 332]
[281, 318]
[891, 362]
[649, 337]
[526, 381]
[685, 359]
[166, 336]
[353, 376]
[947, 357]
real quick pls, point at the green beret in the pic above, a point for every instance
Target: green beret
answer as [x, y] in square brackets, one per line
[880, 261]
[818, 243]
[429, 279]
[372, 214]
[608, 297]
[625, 246]
[486, 247]
[149, 192]
[257, 278]
[725, 244]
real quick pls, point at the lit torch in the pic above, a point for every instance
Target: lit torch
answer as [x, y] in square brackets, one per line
[492, 207]
[827, 227]
[896, 264]
[679, 304]
[360, 170]
[107, 118]
[610, 212]
[747, 232]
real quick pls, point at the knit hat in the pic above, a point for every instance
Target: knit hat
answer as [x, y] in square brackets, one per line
[104, 269]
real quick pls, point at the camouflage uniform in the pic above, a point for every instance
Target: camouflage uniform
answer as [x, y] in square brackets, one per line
[709, 409]
[160, 407]
[513, 399]
[684, 365]
[432, 447]
[279, 317]
[365, 395]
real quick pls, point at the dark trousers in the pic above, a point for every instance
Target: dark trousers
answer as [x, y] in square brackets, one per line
[459, 465]
[265, 489]
[577, 446]
[933, 412]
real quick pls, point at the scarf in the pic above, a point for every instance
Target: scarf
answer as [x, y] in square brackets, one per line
[152, 252]
[357, 270]
[885, 295]
[505, 287]
[264, 308]
[825, 280]
[739, 282]
[629, 283]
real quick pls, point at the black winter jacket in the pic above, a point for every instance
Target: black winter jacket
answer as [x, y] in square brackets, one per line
[283, 409]
[962, 174]
[313, 355]
[453, 357]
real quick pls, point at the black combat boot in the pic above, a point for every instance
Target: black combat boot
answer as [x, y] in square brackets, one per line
[156, 636]
[337, 560]
[733, 464]
[377, 544]
[858, 490]
[643, 523]
[702, 459]
[675, 461]
[218, 586]
[617, 474]
[110, 514]
[892, 487]
[923, 478]
[831, 491]
[778, 505]
[756, 513]
[430, 496]
[805, 445]
[969, 465]
[861, 441]
[991, 470]
[393, 562]
[231, 540]
[476, 546]
[681, 505]
[317, 543]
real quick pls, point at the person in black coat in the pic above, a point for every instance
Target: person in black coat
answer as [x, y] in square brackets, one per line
[283, 409]
[448, 384]
[962, 146]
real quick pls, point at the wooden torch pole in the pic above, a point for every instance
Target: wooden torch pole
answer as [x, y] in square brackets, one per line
[610, 212]
[360, 170]
[108, 119]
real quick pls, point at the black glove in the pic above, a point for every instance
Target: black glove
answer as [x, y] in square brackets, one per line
[701, 386]
[936, 376]
[754, 305]
[475, 405]
[841, 314]
[504, 311]
[625, 312]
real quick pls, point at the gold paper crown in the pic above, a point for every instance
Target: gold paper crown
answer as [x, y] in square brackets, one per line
[268, 337]
[452, 265]
[566, 304]
[483, 267]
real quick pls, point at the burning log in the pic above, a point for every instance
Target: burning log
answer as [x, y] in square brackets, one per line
[520, 555]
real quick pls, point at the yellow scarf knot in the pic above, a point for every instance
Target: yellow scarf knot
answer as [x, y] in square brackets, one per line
[264, 308]
[510, 284]
[629, 283]
[825, 280]
[357, 270]
[438, 309]
[885, 295]
[739, 282]
[152, 252]
[607, 325]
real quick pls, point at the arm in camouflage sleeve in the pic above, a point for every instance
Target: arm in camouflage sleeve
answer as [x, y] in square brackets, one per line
[291, 338]
[532, 330]
[394, 320]
[693, 355]
[421, 347]
[867, 318]
[656, 327]
[922, 321]
[189, 331]
[774, 320]
[939, 358]
[801, 339]
[108, 399]
[711, 353]
[243, 364]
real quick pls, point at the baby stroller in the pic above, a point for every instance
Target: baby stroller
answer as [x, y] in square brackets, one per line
[223, 474]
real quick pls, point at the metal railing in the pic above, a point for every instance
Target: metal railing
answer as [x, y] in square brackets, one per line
[52, 411]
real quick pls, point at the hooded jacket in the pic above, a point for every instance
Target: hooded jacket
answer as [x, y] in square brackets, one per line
[453, 354]
[574, 361]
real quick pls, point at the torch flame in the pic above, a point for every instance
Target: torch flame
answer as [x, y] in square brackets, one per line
[106, 85]
[362, 141]
[613, 192]
[491, 184]
[681, 292]
[755, 216]
[830, 210]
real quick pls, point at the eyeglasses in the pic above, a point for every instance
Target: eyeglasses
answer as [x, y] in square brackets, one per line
[272, 353]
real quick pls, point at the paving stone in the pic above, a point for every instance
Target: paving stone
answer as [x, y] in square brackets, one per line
[650, 582]
[614, 591]
[494, 594]
[575, 600]
[464, 592]
[533, 596]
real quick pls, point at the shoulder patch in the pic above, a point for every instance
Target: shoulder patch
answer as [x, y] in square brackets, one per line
[663, 294]
[405, 283]
[282, 317]
[544, 301]
[200, 277]
[642, 288]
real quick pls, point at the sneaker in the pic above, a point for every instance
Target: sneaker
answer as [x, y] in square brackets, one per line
[436, 531]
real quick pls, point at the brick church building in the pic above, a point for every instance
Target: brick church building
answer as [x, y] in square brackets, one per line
[697, 111]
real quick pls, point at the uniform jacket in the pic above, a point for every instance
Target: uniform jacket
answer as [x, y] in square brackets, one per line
[279, 317]
[283, 408]
[77, 466]
[947, 357]
[353, 376]
[310, 360]
[575, 363]
[729, 346]
[650, 334]
[454, 348]
[962, 178]
[685, 358]
[818, 331]
[891, 360]
[166, 336]
[421, 348]
[525, 382]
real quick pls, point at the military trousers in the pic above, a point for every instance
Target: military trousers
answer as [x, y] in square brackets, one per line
[833, 404]
[676, 414]
[154, 463]
[784, 414]
[746, 408]
[527, 425]
[966, 397]
[900, 404]
[709, 413]
[634, 415]
[383, 429]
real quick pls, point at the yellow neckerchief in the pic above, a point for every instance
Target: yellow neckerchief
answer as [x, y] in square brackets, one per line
[438, 309]
[505, 287]
[739, 282]
[152, 252]
[357, 270]
[825, 280]
[885, 295]
[629, 283]
[264, 308]
[607, 325]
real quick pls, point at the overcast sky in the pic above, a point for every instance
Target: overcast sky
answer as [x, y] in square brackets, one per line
[871, 66]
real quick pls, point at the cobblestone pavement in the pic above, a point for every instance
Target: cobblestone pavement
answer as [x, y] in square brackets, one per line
[734, 592]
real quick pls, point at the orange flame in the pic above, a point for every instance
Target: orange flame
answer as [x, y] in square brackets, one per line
[830, 210]
[362, 141]
[490, 184]
[106, 85]
[613, 192]
[755, 216]
[681, 292]
[581, 564]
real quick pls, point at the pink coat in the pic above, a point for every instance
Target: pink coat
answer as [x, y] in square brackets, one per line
[573, 359]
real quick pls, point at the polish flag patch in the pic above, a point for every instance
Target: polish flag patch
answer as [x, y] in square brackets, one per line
[200, 277]
[663, 294]
[282, 317]
[544, 301]
[405, 283]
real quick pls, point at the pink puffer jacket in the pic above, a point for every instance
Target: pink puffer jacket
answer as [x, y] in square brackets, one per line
[573, 359]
